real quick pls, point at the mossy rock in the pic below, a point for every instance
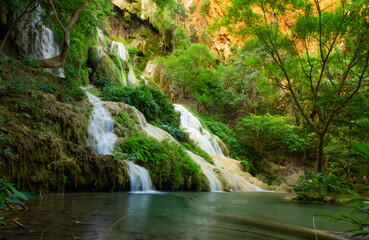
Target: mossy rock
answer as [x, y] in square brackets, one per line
[46, 139]
[108, 73]
[118, 61]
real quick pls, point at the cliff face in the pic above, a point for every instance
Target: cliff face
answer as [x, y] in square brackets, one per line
[201, 14]
[204, 13]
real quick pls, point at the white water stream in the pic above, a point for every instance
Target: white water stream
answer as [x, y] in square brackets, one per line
[119, 48]
[101, 137]
[139, 178]
[102, 140]
[155, 132]
[197, 133]
[45, 45]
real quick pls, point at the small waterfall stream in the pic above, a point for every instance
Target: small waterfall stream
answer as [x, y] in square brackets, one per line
[45, 45]
[200, 135]
[101, 137]
[160, 135]
[119, 48]
[208, 171]
[139, 178]
[102, 140]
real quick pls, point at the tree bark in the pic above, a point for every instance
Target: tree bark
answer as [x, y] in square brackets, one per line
[57, 61]
[319, 162]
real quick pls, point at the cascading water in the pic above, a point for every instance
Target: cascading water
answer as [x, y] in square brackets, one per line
[160, 135]
[119, 48]
[139, 178]
[207, 169]
[45, 46]
[132, 77]
[200, 135]
[101, 137]
[216, 175]
[102, 140]
[100, 37]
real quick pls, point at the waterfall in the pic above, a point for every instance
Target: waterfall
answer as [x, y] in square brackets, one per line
[102, 140]
[119, 48]
[101, 137]
[45, 45]
[200, 135]
[139, 178]
[132, 77]
[100, 38]
[213, 180]
[207, 169]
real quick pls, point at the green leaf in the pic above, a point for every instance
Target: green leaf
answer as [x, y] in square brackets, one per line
[18, 193]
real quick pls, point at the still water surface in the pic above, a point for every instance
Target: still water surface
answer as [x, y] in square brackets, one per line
[181, 215]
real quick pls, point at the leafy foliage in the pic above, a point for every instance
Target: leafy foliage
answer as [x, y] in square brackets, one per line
[10, 195]
[318, 58]
[316, 186]
[169, 165]
[190, 68]
[268, 131]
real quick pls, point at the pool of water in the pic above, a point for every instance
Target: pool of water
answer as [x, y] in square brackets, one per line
[181, 215]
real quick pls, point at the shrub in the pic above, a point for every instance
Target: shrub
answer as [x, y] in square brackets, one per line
[153, 103]
[315, 186]
[248, 156]
[17, 85]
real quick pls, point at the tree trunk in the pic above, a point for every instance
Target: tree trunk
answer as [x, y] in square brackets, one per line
[319, 162]
[57, 61]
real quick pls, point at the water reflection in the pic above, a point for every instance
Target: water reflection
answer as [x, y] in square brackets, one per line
[168, 216]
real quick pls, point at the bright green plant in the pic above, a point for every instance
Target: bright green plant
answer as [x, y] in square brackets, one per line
[10, 195]
[358, 218]
[169, 165]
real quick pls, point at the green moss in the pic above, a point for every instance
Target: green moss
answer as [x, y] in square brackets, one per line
[190, 145]
[117, 60]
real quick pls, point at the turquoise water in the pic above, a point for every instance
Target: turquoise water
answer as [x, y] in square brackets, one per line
[181, 215]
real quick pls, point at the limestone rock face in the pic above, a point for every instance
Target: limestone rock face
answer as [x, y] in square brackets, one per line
[157, 73]
[235, 167]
